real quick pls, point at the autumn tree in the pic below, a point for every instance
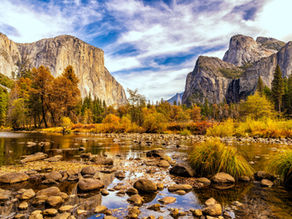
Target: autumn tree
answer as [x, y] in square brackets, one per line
[277, 88]
[3, 105]
[256, 107]
[195, 113]
[260, 86]
[41, 88]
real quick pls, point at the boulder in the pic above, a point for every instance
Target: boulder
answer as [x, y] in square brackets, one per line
[223, 178]
[145, 186]
[213, 210]
[47, 192]
[23, 205]
[25, 194]
[136, 200]
[181, 170]
[34, 157]
[89, 170]
[210, 201]
[176, 187]
[54, 176]
[90, 184]
[100, 209]
[13, 177]
[167, 200]
[54, 200]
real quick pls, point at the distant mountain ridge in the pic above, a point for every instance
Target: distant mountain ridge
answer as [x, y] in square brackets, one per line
[235, 77]
[177, 98]
[59, 52]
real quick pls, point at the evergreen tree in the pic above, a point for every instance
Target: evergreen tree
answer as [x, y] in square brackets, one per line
[277, 88]
[260, 86]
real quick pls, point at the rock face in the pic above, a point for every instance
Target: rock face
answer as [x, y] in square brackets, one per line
[237, 75]
[176, 98]
[59, 52]
[244, 49]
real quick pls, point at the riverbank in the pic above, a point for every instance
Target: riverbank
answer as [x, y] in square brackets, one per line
[92, 179]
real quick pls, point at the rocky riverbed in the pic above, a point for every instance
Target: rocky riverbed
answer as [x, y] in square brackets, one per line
[154, 183]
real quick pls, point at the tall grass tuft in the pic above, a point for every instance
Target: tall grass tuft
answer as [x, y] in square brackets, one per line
[223, 129]
[213, 156]
[281, 164]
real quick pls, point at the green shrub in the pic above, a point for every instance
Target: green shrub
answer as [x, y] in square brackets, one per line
[213, 156]
[281, 164]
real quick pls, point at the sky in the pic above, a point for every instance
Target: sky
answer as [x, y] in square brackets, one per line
[149, 45]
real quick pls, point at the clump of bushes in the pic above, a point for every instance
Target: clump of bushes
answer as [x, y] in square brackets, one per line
[281, 164]
[185, 132]
[223, 129]
[213, 156]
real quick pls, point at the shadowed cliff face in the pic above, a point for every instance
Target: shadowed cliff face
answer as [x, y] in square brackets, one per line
[236, 77]
[59, 52]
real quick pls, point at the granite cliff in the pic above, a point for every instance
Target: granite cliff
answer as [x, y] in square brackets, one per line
[235, 77]
[59, 52]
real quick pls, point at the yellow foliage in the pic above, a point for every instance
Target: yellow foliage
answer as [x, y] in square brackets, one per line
[223, 129]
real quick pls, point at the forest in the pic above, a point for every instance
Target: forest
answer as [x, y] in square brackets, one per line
[37, 100]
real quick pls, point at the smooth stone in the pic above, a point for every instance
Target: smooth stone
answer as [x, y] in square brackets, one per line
[54, 175]
[136, 200]
[100, 209]
[26, 194]
[132, 191]
[163, 164]
[175, 187]
[89, 170]
[167, 200]
[50, 212]
[13, 177]
[181, 192]
[197, 212]
[210, 201]
[104, 192]
[181, 170]
[155, 207]
[90, 184]
[54, 200]
[223, 178]
[34, 157]
[23, 205]
[213, 210]
[145, 186]
[66, 208]
[266, 183]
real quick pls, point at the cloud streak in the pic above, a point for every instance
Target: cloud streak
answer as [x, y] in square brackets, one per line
[149, 45]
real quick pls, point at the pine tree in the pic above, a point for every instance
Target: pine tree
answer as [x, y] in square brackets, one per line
[278, 88]
[260, 86]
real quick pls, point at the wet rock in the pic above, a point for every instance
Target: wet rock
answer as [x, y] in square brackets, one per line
[133, 213]
[163, 164]
[155, 207]
[50, 212]
[100, 209]
[54, 176]
[204, 180]
[55, 158]
[210, 201]
[54, 200]
[89, 170]
[167, 200]
[175, 187]
[145, 186]
[23, 205]
[160, 186]
[196, 212]
[66, 208]
[132, 191]
[4, 194]
[136, 200]
[120, 175]
[34, 157]
[14, 177]
[104, 192]
[90, 184]
[37, 214]
[213, 210]
[181, 170]
[266, 183]
[47, 192]
[244, 178]
[259, 175]
[223, 178]
[180, 192]
[25, 194]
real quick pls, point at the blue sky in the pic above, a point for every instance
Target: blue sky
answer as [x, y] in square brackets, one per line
[152, 44]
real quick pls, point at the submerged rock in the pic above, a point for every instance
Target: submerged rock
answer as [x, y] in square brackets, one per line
[136, 200]
[181, 170]
[145, 186]
[13, 177]
[34, 157]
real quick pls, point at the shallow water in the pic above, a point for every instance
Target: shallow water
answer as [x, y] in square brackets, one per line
[14, 145]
